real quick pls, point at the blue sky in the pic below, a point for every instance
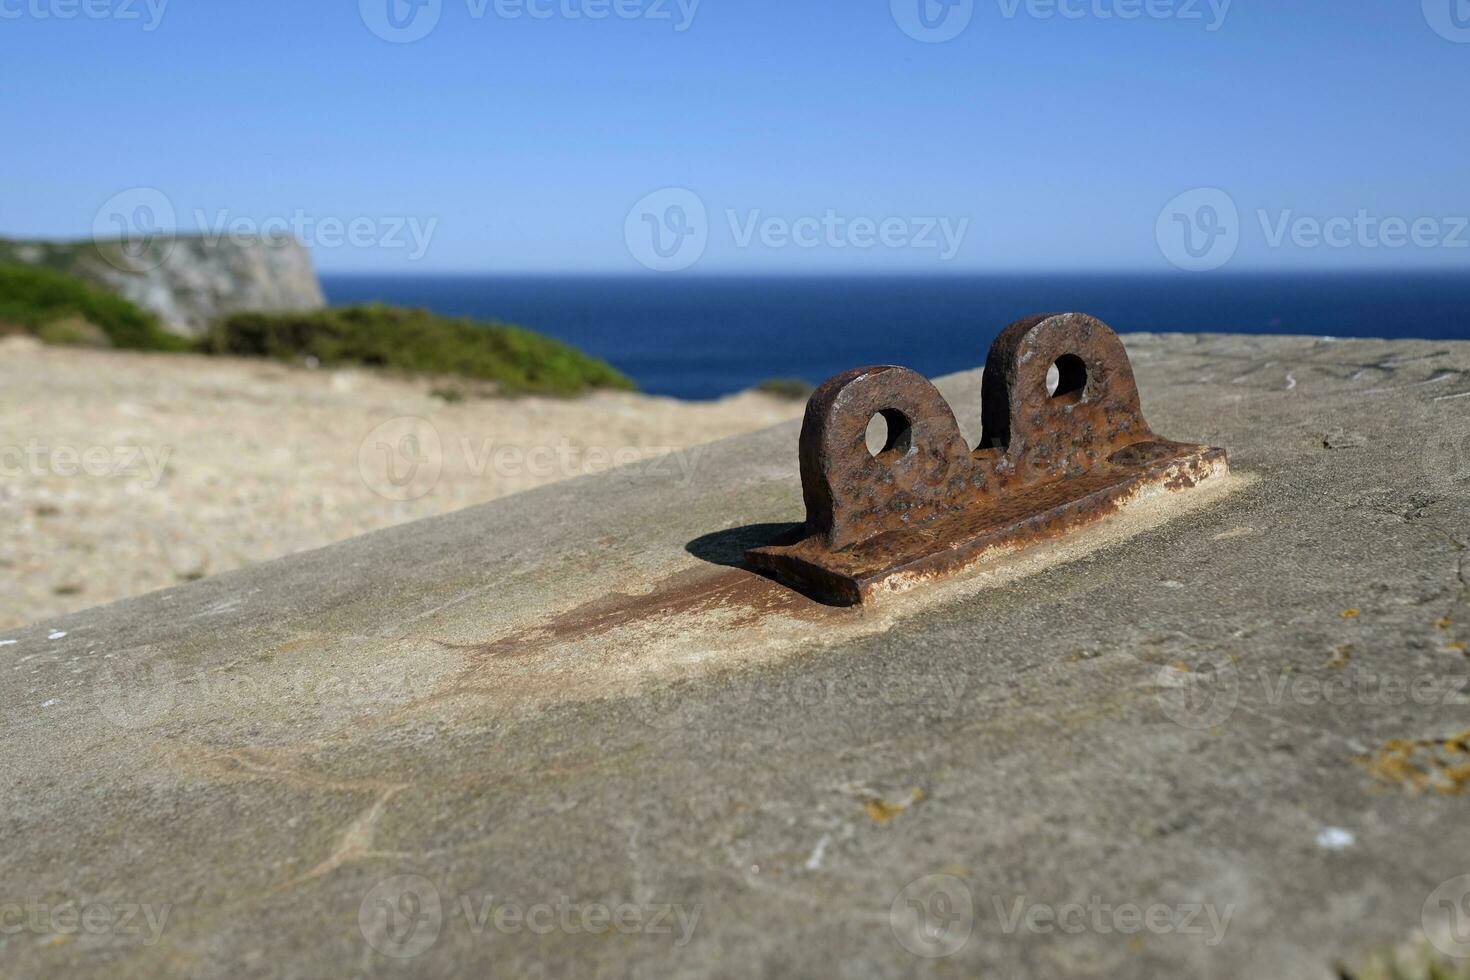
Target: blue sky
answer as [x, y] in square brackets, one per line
[815, 135]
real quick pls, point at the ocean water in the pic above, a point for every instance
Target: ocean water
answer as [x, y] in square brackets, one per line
[706, 337]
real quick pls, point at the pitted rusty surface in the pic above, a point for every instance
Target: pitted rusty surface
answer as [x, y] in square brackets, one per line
[1051, 457]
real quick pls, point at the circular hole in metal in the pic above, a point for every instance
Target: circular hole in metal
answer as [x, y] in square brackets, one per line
[1066, 378]
[890, 434]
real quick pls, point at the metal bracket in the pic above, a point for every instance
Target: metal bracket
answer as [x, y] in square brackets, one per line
[1049, 460]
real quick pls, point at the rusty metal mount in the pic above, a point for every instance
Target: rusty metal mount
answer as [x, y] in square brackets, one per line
[1050, 460]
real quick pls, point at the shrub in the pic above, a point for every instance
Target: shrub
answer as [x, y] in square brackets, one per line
[516, 360]
[38, 300]
[73, 331]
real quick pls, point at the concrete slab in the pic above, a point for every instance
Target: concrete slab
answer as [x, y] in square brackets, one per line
[559, 734]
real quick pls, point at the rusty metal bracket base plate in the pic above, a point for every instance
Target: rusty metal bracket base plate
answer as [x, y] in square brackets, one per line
[1063, 443]
[900, 560]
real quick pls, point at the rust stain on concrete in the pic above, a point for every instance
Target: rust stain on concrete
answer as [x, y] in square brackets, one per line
[744, 596]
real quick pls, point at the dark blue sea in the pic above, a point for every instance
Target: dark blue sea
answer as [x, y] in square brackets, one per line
[706, 337]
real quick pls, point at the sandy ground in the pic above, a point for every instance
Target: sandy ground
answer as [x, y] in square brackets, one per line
[121, 473]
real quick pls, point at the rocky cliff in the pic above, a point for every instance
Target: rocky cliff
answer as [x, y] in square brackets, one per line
[187, 281]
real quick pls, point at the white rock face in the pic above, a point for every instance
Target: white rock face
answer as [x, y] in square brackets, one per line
[190, 282]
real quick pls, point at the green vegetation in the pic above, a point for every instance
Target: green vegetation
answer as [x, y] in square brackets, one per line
[792, 388]
[73, 331]
[60, 309]
[56, 256]
[516, 360]
[86, 259]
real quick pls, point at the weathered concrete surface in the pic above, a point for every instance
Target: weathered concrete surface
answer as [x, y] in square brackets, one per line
[563, 699]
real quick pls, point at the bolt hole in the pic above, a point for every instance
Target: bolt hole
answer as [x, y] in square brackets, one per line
[890, 434]
[1066, 378]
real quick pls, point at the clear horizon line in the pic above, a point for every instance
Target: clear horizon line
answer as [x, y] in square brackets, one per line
[893, 273]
